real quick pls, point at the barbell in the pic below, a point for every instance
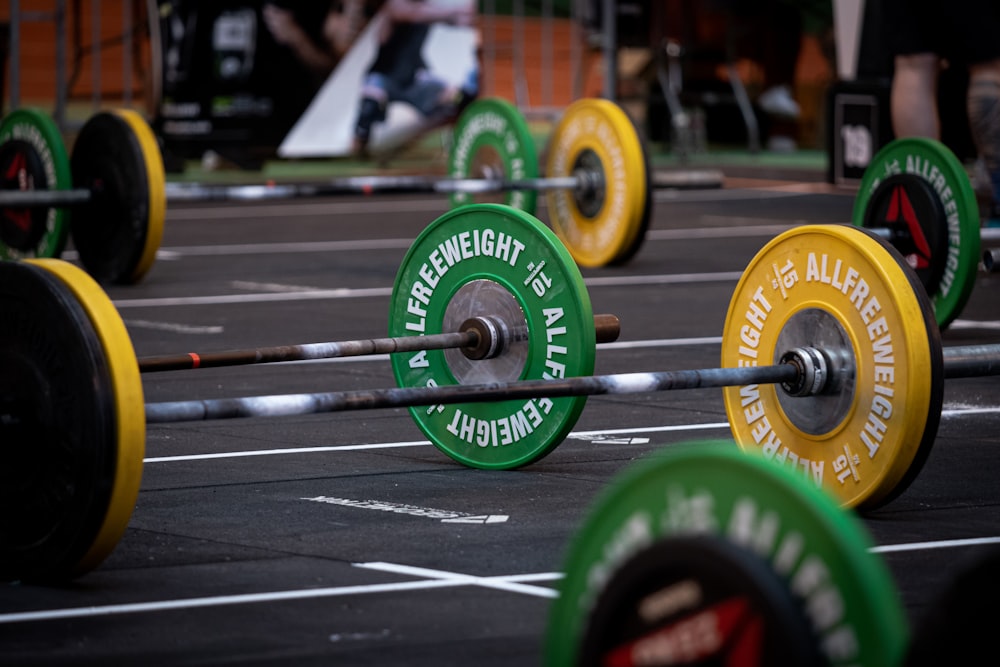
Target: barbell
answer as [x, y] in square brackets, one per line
[831, 362]
[598, 184]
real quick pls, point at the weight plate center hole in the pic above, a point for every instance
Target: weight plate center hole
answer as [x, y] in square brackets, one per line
[590, 190]
[497, 315]
[816, 339]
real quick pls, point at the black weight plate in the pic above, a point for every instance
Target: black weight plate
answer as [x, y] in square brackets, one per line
[698, 601]
[110, 232]
[57, 428]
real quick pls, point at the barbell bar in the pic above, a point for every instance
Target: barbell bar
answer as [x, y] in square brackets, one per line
[802, 373]
[599, 184]
[850, 400]
[482, 337]
[586, 181]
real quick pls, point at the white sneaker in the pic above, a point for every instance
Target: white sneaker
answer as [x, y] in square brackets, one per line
[778, 101]
[781, 144]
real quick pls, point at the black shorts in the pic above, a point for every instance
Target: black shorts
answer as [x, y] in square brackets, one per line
[963, 31]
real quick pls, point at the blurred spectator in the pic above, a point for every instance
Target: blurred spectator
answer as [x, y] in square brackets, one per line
[399, 72]
[927, 34]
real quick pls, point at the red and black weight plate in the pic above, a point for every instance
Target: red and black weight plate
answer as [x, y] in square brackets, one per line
[111, 232]
[698, 600]
[911, 210]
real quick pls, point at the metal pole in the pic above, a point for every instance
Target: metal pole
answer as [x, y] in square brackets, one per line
[14, 66]
[127, 37]
[966, 361]
[402, 397]
[521, 93]
[477, 338]
[61, 93]
[547, 46]
[95, 54]
[309, 352]
[610, 50]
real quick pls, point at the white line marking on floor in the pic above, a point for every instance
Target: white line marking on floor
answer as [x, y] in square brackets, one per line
[940, 544]
[290, 450]
[288, 247]
[971, 324]
[271, 287]
[500, 583]
[437, 579]
[445, 516]
[582, 435]
[338, 293]
[311, 294]
[173, 327]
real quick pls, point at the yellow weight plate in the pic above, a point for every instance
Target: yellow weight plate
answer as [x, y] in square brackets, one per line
[156, 179]
[600, 223]
[129, 403]
[844, 292]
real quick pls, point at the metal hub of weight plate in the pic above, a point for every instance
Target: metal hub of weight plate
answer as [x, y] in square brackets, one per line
[71, 421]
[842, 291]
[917, 187]
[32, 157]
[117, 233]
[492, 140]
[605, 220]
[703, 555]
[492, 260]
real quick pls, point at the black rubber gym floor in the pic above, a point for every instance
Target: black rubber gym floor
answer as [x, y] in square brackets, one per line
[347, 539]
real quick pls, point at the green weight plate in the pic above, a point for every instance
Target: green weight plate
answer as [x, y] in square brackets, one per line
[941, 238]
[494, 260]
[111, 232]
[72, 423]
[32, 157]
[721, 515]
[492, 140]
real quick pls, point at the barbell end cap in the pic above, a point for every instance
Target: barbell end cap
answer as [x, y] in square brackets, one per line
[491, 337]
[991, 260]
[813, 371]
[607, 328]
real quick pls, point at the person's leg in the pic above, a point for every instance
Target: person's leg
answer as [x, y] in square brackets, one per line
[371, 109]
[984, 122]
[913, 100]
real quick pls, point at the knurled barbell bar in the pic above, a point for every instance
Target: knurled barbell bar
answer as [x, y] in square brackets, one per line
[481, 337]
[831, 362]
